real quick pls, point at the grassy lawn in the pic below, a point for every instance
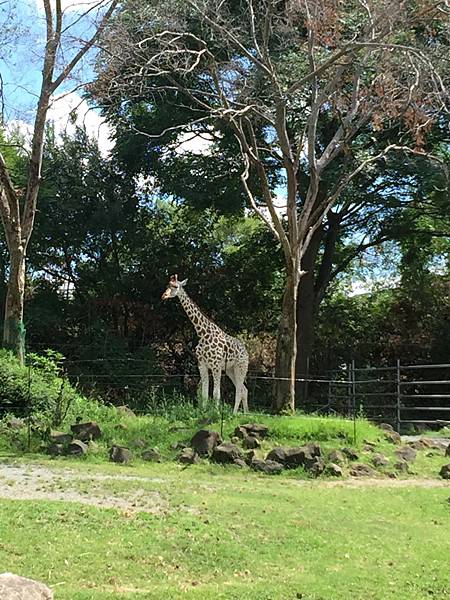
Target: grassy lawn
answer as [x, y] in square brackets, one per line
[224, 533]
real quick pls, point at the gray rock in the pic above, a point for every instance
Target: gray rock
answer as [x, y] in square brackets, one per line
[401, 466]
[15, 423]
[151, 455]
[393, 437]
[386, 427]
[250, 442]
[278, 454]
[56, 449]
[240, 463]
[350, 453]
[380, 460]
[362, 470]
[125, 410]
[406, 453]
[178, 445]
[188, 456]
[120, 454]
[204, 441]
[14, 587]
[138, 443]
[86, 431]
[59, 437]
[249, 456]
[315, 467]
[227, 453]
[337, 457]
[447, 451]
[333, 470]
[235, 439]
[445, 471]
[271, 467]
[77, 448]
[254, 429]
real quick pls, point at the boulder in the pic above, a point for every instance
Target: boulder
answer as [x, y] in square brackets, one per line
[250, 442]
[59, 437]
[406, 453]
[380, 460]
[316, 466]
[255, 429]
[249, 456]
[350, 453]
[337, 457]
[362, 470]
[204, 441]
[393, 437]
[56, 449]
[333, 470]
[151, 455]
[188, 456]
[77, 448]
[386, 427]
[14, 587]
[120, 454]
[86, 431]
[271, 467]
[445, 471]
[401, 466]
[125, 410]
[447, 451]
[227, 453]
[278, 454]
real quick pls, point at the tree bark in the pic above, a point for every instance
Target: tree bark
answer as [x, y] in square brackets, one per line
[284, 397]
[13, 329]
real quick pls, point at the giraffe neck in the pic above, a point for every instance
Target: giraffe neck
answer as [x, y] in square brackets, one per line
[201, 323]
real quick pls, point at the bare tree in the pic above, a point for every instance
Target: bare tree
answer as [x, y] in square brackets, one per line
[18, 211]
[280, 73]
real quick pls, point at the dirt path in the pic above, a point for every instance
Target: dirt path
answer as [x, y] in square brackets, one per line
[37, 482]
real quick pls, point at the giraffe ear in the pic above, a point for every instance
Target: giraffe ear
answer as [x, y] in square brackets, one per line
[182, 283]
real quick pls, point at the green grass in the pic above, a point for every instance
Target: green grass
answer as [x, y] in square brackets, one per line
[226, 534]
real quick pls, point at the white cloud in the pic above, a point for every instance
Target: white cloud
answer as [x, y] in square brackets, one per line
[69, 110]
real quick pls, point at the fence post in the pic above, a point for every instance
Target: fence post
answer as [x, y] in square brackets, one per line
[353, 379]
[399, 392]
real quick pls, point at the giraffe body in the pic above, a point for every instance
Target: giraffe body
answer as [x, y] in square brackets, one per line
[216, 351]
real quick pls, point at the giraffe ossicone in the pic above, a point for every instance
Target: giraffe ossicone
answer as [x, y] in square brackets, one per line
[216, 351]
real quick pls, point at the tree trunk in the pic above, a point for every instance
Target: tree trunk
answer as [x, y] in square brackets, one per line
[306, 305]
[284, 398]
[14, 330]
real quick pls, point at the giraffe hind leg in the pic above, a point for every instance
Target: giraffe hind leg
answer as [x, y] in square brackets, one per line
[203, 387]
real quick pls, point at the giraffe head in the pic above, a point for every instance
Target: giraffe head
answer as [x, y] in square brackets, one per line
[173, 288]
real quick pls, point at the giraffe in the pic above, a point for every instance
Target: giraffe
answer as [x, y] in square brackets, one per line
[216, 351]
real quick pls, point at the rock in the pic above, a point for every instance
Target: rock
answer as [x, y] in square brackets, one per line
[447, 452]
[386, 427]
[271, 467]
[138, 443]
[418, 445]
[249, 456]
[350, 453]
[188, 456]
[14, 587]
[333, 470]
[120, 454]
[362, 470]
[240, 463]
[204, 441]
[316, 467]
[59, 437]
[15, 423]
[250, 442]
[368, 448]
[77, 448]
[278, 454]
[125, 410]
[370, 443]
[406, 453]
[235, 439]
[392, 475]
[393, 437]
[56, 449]
[254, 429]
[445, 471]
[380, 460]
[337, 457]
[178, 445]
[401, 467]
[86, 431]
[151, 455]
[227, 453]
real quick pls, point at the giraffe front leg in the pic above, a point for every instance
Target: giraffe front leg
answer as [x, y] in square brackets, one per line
[203, 387]
[217, 373]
